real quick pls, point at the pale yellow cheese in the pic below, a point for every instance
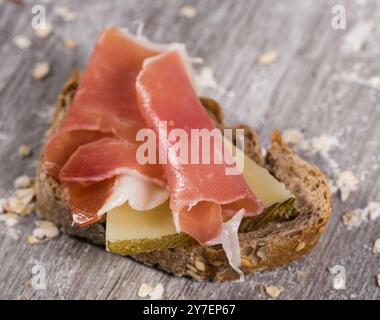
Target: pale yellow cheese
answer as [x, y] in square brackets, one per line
[125, 223]
[262, 183]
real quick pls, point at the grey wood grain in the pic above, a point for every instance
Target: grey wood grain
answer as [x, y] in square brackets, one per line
[306, 88]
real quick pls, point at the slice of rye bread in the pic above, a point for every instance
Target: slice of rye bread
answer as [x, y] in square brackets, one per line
[272, 245]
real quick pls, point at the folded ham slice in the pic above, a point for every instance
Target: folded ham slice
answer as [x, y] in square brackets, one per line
[92, 145]
[105, 102]
[202, 195]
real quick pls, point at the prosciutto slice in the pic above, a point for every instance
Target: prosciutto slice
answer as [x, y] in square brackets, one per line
[105, 102]
[97, 139]
[202, 195]
[106, 158]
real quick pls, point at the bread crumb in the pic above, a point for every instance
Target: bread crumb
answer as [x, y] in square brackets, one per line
[9, 219]
[375, 82]
[322, 145]
[65, 13]
[33, 240]
[300, 273]
[188, 11]
[339, 280]
[354, 218]
[24, 151]
[346, 183]
[267, 58]
[373, 210]
[206, 79]
[293, 136]
[69, 43]
[23, 181]
[19, 201]
[300, 246]
[41, 70]
[2, 203]
[45, 230]
[24, 298]
[273, 291]
[22, 41]
[155, 293]
[44, 31]
[376, 246]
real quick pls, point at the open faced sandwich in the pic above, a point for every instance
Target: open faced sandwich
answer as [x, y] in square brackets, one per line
[135, 161]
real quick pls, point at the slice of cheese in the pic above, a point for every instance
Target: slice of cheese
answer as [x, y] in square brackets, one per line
[266, 187]
[125, 224]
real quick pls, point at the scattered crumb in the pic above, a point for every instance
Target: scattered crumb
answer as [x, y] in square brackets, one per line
[356, 217]
[206, 79]
[267, 57]
[273, 291]
[24, 298]
[41, 70]
[353, 219]
[24, 151]
[188, 11]
[354, 78]
[322, 145]
[44, 31]
[10, 219]
[45, 230]
[22, 41]
[346, 183]
[65, 13]
[2, 203]
[300, 273]
[23, 181]
[293, 136]
[20, 201]
[69, 43]
[373, 209]
[376, 246]
[33, 239]
[155, 293]
[145, 290]
[339, 280]
[375, 82]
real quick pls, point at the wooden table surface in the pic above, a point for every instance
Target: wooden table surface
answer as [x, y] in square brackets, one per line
[320, 83]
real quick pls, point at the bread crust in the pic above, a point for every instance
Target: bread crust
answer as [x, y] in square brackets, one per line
[275, 244]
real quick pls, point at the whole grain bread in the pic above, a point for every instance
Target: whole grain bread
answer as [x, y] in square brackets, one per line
[272, 245]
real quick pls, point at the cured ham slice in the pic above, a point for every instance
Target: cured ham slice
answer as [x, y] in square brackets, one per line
[202, 195]
[106, 158]
[105, 102]
[97, 139]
